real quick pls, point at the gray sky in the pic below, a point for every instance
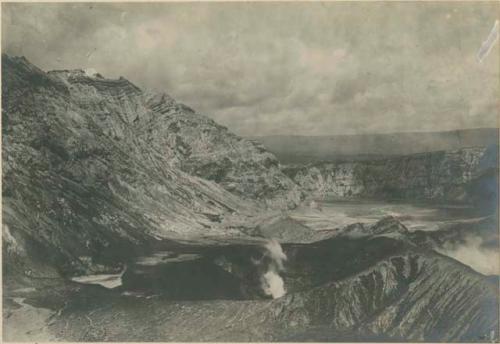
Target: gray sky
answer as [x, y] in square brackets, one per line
[282, 68]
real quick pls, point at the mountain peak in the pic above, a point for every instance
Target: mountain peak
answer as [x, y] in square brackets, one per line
[73, 73]
[90, 76]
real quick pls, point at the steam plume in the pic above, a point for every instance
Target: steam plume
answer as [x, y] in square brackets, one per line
[272, 283]
[474, 254]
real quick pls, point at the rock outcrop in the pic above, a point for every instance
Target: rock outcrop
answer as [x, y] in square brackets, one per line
[444, 176]
[187, 140]
[94, 169]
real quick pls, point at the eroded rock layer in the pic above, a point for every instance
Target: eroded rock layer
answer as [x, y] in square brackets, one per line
[94, 168]
[444, 176]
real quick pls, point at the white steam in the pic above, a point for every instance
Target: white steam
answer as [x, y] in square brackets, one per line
[272, 283]
[474, 254]
[276, 253]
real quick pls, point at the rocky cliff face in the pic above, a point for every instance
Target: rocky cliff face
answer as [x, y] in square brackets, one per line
[444, 175]
[187, 140]
[93, 168]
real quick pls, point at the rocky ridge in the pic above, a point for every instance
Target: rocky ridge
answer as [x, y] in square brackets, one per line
[94, 168]
[189, 141]
[443, 176]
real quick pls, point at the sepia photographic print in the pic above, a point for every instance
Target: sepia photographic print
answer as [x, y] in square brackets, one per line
[250, 171]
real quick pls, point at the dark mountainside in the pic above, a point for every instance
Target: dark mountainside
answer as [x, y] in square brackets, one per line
[102, 177]
[379, 289]
[291, 149]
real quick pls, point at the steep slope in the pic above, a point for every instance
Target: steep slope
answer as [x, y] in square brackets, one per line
[444, 176]
[188, 140]
[83, 183]
[413, 296]
[208, 150]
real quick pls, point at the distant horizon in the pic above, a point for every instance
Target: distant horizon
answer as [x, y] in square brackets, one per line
[383, 133]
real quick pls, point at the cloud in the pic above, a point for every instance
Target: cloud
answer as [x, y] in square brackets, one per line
[473, 253]
[281, 68]
[322, 61]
